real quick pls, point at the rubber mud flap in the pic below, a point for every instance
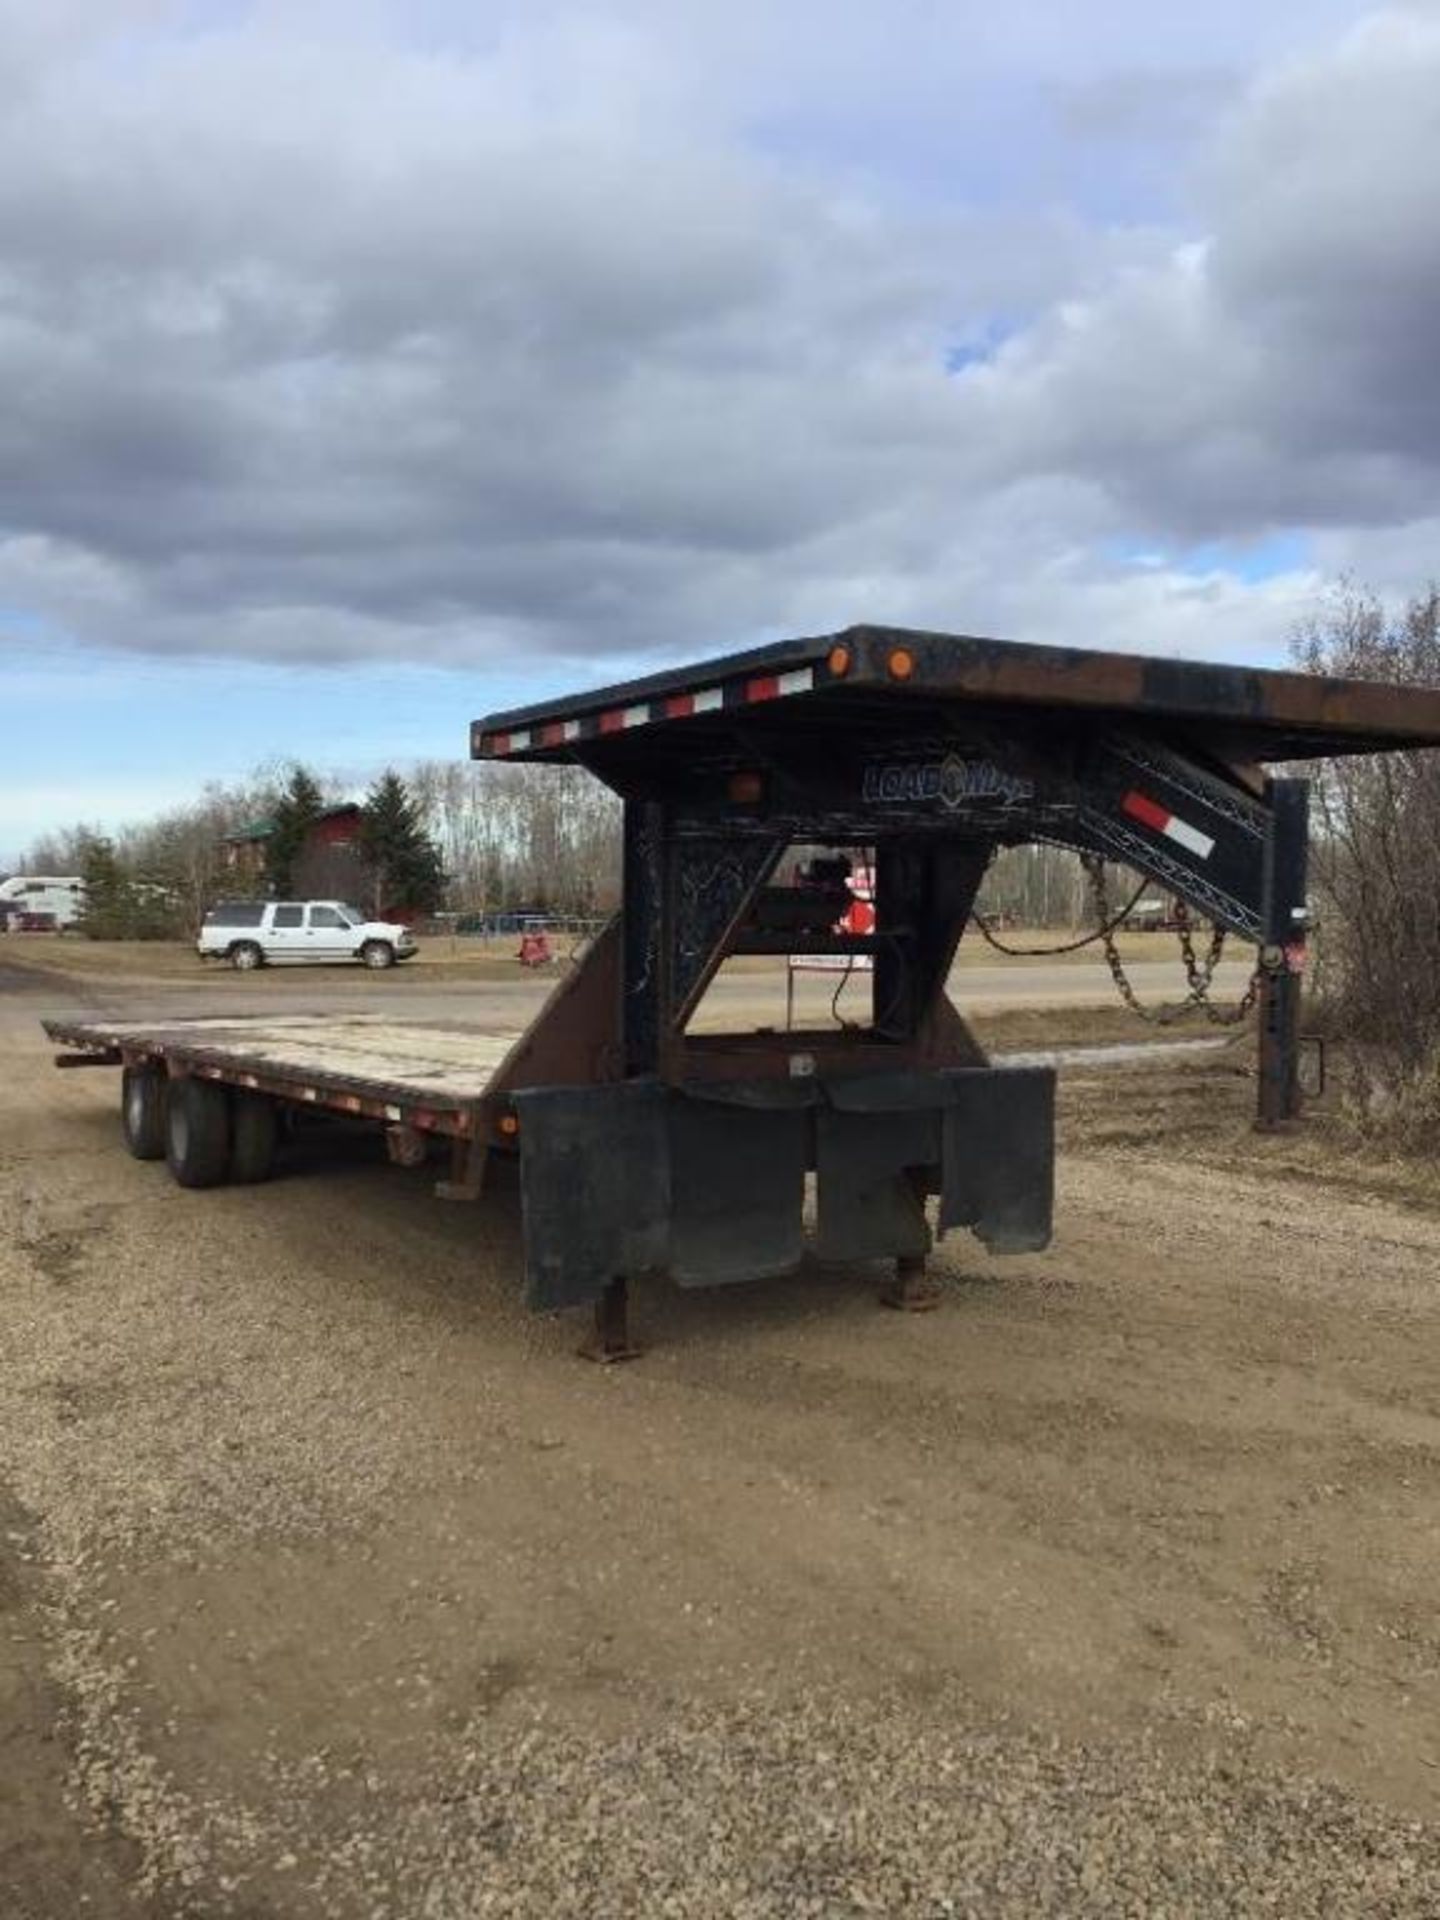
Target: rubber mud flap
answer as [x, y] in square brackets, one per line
[737, 1190]
[867, 1205]
[771, 1094]
[914, 1091]
[998, 1156]
[594, 1188]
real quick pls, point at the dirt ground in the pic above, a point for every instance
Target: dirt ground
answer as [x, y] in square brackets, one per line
[331, 1583]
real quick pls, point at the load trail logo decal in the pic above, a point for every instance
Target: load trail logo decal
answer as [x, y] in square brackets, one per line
[952, 782]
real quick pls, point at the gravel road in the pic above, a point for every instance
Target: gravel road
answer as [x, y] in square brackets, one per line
[331, 1584]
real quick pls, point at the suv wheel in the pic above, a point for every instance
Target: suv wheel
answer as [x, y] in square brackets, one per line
[378, 954]
[245, 956]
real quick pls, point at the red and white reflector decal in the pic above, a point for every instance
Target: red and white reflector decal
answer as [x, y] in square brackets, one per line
[673, 706]
[774, 686]
[1159, 819]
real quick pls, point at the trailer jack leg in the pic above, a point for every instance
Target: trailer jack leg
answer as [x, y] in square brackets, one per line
[609, 1338]
[913, 1291]
[468, 1160]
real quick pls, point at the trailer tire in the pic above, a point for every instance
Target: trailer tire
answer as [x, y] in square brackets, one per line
[245, 956]
[197, 1132]
[254, 1126]
[142, 1112]
[377, 955]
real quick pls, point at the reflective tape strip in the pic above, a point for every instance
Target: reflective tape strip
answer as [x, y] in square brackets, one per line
[1191, 838]
[680, 706]
[1159, 819]
[673, 706]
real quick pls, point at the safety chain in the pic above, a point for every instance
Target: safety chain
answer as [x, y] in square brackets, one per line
[1103, 931]
[1199, 973]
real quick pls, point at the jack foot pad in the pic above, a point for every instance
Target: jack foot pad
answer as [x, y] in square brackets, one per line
[912, 1290]
[609, 1340]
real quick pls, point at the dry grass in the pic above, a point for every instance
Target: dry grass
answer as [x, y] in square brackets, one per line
[447, 956]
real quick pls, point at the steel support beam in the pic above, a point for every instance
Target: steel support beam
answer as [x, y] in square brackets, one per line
[1282, 953]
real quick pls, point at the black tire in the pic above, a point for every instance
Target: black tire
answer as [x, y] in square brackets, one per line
[245, 956]
[253, 1130]
[197, 1132]
[142, 1112]
[377, 955]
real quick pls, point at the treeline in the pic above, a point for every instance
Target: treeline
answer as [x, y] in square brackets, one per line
[469, 839]
[1375, 877]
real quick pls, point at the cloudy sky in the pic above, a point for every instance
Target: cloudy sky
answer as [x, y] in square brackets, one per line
[365, 364]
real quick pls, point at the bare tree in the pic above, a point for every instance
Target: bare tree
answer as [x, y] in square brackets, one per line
[1376, 862]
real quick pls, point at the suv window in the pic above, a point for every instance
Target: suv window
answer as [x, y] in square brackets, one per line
[327, 917]
[288, 917]
[236, 913]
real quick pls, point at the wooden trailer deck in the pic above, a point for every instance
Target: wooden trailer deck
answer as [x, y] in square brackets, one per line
[427, 1073]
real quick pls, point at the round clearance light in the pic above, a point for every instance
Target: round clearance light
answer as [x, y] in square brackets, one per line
[508, 1124]
[838, 661]
[746, 788]
[901, 663]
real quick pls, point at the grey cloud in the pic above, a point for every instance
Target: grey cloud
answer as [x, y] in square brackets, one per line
[1150, 104]
[316, 349]
[1281, 372]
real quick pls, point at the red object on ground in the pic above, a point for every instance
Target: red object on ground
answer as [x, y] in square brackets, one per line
[534, 950]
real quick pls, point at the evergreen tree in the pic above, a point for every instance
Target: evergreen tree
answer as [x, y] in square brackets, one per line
[109, 909]
[300, 805]
[404, 861]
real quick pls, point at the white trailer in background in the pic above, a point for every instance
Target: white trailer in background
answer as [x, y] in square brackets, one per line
[61, 896]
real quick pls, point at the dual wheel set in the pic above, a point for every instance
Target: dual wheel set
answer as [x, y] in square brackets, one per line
[205, 1133]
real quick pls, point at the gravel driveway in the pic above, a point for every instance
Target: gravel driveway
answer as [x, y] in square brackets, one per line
[331, 1584]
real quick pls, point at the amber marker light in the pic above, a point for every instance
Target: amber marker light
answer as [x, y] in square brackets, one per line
[746, 788]
[508, 1124]
[838, 662]
[901, 663]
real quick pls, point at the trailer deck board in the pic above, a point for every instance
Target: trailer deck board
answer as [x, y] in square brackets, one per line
[427, 1063]
[848, 681]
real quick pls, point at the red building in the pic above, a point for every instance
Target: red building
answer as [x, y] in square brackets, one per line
[329, 862]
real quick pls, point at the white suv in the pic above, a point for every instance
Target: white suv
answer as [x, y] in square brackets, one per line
[282, 933]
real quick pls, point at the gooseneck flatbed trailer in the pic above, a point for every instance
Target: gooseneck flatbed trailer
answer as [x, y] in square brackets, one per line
[648, 1147]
